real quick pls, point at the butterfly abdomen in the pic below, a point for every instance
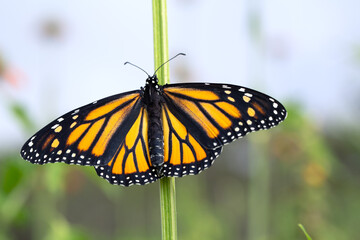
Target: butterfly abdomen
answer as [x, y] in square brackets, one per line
[156, 138]
[152, 99]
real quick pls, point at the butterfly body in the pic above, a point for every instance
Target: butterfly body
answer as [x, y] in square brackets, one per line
[152, 95]
[140, 136]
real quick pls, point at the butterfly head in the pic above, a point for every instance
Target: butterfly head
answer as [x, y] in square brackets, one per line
[152, 80]
[152, 88]
[152, 85]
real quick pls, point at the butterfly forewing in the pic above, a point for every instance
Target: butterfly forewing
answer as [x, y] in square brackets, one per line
[217, 114]
[88, 135]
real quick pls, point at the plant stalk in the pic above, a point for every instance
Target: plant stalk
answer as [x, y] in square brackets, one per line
[161, 54]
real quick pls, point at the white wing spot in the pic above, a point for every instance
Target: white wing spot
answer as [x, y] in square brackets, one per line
[75, 112]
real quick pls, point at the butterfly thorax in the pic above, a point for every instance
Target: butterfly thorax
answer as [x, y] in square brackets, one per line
[152, 100]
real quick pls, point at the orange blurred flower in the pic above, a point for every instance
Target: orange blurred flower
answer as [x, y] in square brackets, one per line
[11, 75]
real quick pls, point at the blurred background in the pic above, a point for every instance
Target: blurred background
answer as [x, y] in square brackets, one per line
[58, 55]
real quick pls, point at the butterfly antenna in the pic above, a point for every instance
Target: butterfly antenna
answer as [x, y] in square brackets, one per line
[137, 67]
[182, 54]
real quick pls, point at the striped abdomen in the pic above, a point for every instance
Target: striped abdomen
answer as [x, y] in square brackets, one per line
[155, 134]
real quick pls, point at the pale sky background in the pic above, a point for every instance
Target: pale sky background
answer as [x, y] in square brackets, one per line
[307, 53]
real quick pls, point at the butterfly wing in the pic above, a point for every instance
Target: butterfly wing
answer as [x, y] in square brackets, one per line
[89, 135]
[183, 154]
[200, 118]
[131, 162]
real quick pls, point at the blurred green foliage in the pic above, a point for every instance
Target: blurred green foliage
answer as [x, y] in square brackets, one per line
[261, 187]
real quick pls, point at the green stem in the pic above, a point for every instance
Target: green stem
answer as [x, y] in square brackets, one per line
[304, 231]
[168, 208]
[167, 185]
[161, 53]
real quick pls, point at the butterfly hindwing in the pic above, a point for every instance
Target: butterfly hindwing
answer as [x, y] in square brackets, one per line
[183, 154]
[88, 135]
[131, 162]
[216, 114]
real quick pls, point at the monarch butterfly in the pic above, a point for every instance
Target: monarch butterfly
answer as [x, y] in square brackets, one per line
[140, 136]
